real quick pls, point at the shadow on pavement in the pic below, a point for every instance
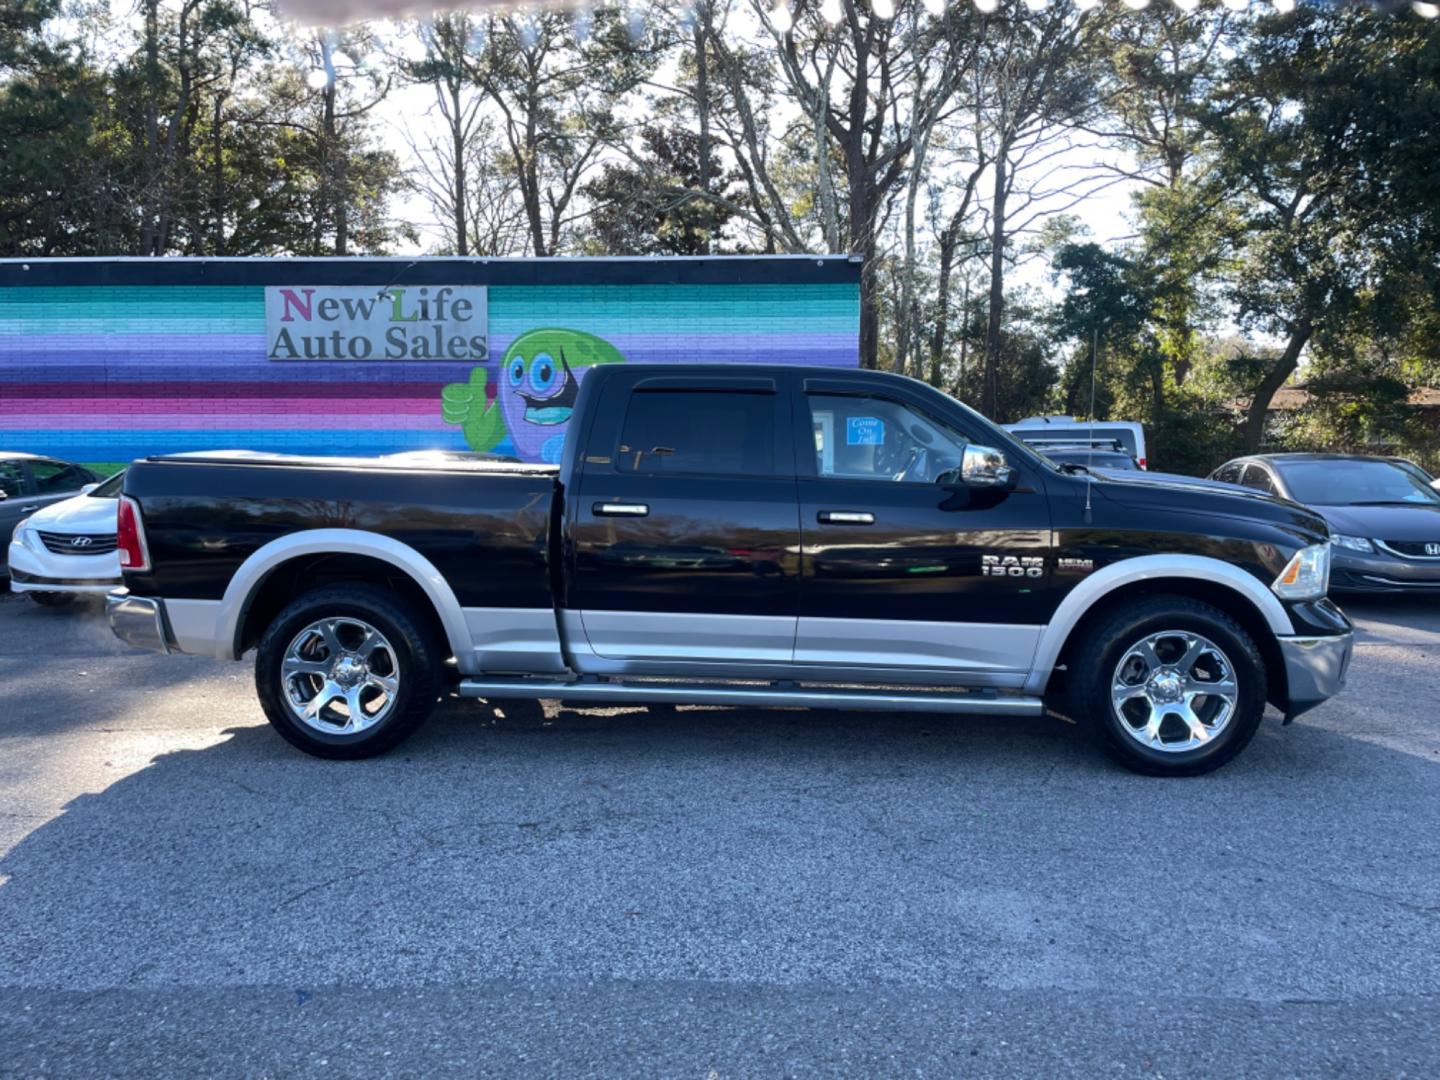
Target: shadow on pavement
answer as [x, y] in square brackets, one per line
[715, 844]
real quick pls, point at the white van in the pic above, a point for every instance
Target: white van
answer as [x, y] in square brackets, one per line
[1037, 431]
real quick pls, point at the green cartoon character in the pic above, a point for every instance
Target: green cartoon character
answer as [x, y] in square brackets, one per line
[540, 376]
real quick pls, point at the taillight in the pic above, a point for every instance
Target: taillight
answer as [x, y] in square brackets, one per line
[1142, 464]
[134, 554]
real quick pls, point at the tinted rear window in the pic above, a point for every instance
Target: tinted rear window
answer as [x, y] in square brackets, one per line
[698, 431]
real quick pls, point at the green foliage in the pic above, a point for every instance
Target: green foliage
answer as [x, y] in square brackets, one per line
[655, 204]
[219, 147]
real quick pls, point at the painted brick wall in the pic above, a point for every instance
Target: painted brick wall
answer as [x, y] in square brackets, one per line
[108, 373]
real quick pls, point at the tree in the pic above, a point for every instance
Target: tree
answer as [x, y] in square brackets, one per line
[1317, 128]
[49, 101]
[644, 206]
[462, 173]
[557, 98]
[851, 81]
[1035, 83]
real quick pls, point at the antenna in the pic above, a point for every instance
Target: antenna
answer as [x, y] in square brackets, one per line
[1094, 360]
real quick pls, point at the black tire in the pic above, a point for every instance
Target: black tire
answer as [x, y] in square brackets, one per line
[52, 599]
[419, 661]
[1095, 661]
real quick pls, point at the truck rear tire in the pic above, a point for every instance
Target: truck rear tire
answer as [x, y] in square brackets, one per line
[1168, 686]
[348, 671]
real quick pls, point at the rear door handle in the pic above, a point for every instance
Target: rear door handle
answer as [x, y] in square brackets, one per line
[845, 517]
[621, 510]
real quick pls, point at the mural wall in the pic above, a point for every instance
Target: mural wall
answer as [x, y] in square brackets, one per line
[109, 371]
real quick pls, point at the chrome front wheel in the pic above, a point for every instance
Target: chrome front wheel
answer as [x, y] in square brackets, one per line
[1174, 690]
[340, 676]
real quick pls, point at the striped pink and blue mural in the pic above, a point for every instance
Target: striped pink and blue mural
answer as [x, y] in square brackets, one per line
[109, 361]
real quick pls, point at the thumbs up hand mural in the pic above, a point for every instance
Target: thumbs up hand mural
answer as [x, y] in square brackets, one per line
[481, 421]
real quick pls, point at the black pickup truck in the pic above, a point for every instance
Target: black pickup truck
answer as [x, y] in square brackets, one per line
[749, 536]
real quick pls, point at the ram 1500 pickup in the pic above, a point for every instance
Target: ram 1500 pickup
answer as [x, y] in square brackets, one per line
[748, 536]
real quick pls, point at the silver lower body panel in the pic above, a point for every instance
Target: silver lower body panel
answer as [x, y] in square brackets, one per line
[754, 695]
[1315, 669]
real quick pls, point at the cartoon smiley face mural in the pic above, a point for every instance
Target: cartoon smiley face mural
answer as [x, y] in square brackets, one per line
[540, 377]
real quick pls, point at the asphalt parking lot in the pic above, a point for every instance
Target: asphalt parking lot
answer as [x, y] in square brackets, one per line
[704, 892]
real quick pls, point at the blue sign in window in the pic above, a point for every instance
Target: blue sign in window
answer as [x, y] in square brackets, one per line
[864, 431]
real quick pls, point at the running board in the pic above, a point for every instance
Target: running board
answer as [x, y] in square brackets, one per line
[981, 703]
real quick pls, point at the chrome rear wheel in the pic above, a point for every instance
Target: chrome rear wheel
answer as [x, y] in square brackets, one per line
[340, 676]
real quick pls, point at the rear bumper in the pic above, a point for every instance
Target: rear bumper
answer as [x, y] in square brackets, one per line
[138, 621]
[1315, 669]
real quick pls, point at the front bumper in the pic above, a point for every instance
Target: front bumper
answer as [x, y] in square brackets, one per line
[138, 621]
[1362, 572]
[30, 572]
[1315, 669]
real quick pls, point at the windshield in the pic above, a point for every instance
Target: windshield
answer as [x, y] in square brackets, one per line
[1348, 483]
[109, 489]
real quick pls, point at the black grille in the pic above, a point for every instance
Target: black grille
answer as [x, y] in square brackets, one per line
[78, 543]
[1415, 549]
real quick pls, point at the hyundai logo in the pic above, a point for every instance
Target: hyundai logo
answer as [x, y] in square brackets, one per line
[1432, 549]
[85, 541]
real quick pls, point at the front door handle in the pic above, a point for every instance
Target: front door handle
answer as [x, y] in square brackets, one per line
[845, 517]
[29, 509]
[604, 509]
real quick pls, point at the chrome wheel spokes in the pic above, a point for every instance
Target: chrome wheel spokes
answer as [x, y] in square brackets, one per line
[340, 676]
[1174, 691]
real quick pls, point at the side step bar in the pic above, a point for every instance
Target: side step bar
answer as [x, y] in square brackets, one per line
[769, 695]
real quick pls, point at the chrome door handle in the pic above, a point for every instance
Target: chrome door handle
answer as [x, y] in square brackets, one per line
[621, 510]
[29, 509]
[845, 517]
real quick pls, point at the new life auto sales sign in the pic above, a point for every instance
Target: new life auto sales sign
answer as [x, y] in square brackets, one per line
[329, 322]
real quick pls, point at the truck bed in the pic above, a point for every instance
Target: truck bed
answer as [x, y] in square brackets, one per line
[485, 525]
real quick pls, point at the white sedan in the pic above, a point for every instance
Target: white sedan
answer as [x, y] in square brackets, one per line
[68, 548]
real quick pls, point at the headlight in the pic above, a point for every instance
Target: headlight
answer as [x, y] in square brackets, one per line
[1354, 543]
[1306, 576]
[27, 537]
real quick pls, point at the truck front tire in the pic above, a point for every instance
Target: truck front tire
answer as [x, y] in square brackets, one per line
[1168, 686]
[348, 671]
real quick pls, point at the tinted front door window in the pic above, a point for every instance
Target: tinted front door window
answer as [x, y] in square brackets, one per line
[866, 438]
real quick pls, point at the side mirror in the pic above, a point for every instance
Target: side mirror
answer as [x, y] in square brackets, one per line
[985, 467]
[85, 489]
